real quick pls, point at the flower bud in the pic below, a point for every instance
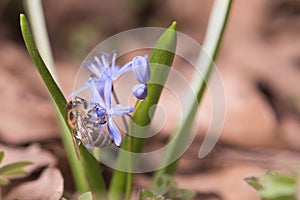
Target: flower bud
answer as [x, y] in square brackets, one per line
[140, 68]
[140, 91]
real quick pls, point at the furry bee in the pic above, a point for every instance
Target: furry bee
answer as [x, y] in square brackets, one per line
[86, 124]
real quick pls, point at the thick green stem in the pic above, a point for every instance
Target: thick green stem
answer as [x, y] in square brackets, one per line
[160, 61]
[93, 173]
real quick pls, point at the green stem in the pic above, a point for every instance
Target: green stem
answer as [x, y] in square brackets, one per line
[60, 104]
[129, 138]
[93, 173]
[129, 176]
[160, 61]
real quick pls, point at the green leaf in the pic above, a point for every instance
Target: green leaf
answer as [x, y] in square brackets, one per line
[278, 186]
[52, 87]
[59, 102]
[167, 189]
[187, 194]
[146, 194]
[254, 182]
[274, 186]
[14, 169]
[1, 156]
[212, 42]
[35, 13]
[165, 184]
[4, 181]
[160, 60]
[93, 173]
[86, 196]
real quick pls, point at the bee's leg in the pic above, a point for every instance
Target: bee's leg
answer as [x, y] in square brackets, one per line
[91, 111]
[78, 100]
[83, 101]
[75, 144]
[129, 116]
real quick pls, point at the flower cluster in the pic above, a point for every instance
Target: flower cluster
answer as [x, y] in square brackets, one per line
[100, 84]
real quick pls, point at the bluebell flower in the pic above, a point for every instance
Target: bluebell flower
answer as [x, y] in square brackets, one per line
[100, 83]
[102, 69]
[104, 107]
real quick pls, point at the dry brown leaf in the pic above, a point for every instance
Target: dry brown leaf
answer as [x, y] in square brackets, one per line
[246, 60]
[272, 58]
[250, 120]
[34, 153]
[290, 131]
[29, 115]
[228, 182]
[49, 186]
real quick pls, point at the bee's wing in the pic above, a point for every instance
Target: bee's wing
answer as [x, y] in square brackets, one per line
[83, 131]
[79, 132]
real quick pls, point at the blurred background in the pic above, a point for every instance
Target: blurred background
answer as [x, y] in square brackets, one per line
[259, 62]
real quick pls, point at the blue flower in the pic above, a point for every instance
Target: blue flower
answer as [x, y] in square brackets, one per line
[100, 83]
[102, 69]
[102, 101]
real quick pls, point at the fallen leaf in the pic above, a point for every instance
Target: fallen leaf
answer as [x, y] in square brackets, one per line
[33, 153]
[49, 186]
[29, 114]
[227, 182]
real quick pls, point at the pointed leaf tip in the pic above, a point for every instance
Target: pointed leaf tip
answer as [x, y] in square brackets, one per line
[22, 19]
[173, 26]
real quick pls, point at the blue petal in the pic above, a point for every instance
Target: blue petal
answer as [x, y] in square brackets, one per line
[114, 57]
[100, 85]
[107, 92]
[87, 85]
[114, 71]
[95, 95]
[141, 69]
[140, 91]
[99, 63]
[74, 93]
[127, 67]
[120, 110]
[114, 132]
[107, 73]
[105, 59]
[96, 69]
